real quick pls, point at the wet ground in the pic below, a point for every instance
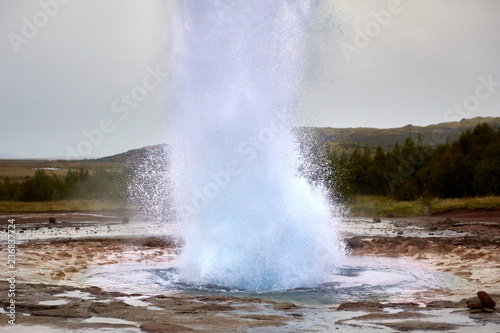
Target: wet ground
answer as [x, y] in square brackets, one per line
[89, 272]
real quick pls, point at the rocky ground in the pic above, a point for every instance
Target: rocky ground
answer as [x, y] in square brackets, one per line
[51, 296]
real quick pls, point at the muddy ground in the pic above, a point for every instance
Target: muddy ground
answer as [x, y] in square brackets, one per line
[51, 296]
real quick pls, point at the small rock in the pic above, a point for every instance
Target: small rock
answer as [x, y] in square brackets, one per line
[486, 299]
[354, 243]
[475, 304]
[125, 220]
[376, 220]
[488, 310]
[476, 311]
[52, 220]
[400, 232]
[390, 216]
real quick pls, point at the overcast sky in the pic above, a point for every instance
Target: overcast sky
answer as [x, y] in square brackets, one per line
[66, 70]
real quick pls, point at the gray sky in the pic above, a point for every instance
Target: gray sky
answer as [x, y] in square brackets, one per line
[90, 80]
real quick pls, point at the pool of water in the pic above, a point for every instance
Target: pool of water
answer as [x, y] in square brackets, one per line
[359, 278]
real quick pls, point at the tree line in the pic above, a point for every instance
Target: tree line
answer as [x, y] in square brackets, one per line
[76, 184]
[467, 167]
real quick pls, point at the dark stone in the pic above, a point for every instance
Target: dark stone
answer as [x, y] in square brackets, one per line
[125, 220]
[390, 216]
[354, 243]
[52, 220]
[486, 299]
[376, 220]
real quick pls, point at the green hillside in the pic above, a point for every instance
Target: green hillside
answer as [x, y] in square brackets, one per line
[432, 135]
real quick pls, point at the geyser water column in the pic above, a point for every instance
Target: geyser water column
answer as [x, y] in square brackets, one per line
[252, 222]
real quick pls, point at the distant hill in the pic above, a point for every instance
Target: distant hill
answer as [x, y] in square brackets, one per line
[348, 137]
[131, 155]
[432, 135]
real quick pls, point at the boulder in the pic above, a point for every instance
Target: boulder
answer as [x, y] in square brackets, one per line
[52, 220]
[376, 220]
[390, 216]
[486, 300]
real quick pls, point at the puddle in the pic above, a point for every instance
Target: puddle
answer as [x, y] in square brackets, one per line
[76, 294]
[54, 302]
[104, 320]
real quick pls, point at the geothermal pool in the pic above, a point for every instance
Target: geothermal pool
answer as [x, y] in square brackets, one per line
[363, 278]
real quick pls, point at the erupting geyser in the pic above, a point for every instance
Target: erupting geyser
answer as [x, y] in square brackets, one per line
[252, 221]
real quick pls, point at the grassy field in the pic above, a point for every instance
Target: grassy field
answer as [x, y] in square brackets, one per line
[63, 205]
[381, 206]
